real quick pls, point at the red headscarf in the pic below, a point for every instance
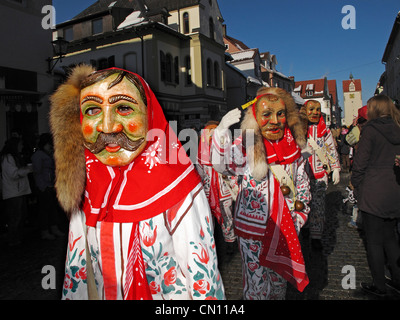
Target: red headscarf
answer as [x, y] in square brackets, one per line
[157, 179]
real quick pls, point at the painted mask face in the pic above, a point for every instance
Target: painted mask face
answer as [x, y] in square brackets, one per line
[313, 110]
[114, 122]
[271, 117]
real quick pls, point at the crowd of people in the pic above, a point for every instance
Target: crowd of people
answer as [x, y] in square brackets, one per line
[144, 225]
[27, 183]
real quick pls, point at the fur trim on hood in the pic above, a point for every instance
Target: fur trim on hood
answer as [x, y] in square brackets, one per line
[256, 153]
[69, 151]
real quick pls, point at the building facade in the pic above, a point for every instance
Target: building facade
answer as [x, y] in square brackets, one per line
[260, 68]
[177, 46]
[24, 81]
[391, 58]
[352, 99]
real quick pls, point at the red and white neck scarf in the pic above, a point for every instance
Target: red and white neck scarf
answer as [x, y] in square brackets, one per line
[321, 128]
[282, 151]
[157, 179]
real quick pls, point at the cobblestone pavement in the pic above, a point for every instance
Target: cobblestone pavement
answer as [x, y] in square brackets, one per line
[22, 273]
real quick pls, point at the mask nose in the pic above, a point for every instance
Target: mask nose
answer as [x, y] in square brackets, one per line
[109, 123]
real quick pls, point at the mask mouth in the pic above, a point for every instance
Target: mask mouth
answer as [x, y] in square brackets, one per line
[113, 142]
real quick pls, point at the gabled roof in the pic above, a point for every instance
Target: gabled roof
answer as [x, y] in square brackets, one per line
[316, 86]
[346, 85]
[237, 44]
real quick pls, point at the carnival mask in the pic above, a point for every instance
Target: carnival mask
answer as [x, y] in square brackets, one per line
[271, 116]
[313, 111]
[114, 120]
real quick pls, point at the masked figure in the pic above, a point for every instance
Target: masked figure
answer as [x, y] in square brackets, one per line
[139, 222]
[271, 206]
[323, 159]
[221, 190]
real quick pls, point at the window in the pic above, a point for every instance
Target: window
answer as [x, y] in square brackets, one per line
[168, 68]
[209, 72]
[186, 23]
[211, 24]
[309, 93]
[216, 75]
[176, 69]
[69, 33]
[163, 66]
[97, 26]
[188, 70]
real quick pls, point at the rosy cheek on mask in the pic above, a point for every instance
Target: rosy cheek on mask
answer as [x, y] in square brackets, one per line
[88, 130]
[264, 122]
[133, 126]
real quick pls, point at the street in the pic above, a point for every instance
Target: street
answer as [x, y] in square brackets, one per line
[24, 268]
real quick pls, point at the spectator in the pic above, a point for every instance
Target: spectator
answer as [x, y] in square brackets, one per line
[344, 149]
[378, 191]
[44, 174]
[16, 188]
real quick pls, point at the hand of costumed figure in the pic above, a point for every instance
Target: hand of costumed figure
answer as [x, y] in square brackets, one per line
[229, 119]
[336, 176]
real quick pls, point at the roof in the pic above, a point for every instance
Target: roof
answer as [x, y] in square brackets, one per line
[346, 85]
[237, 44]
[244, 54]
[317, 86]
[150, 5]
[393, 34]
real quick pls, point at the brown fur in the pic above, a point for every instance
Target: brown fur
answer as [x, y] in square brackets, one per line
[68, 140]
[256, 152]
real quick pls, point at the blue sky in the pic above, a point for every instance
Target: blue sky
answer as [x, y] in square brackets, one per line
[305, 35]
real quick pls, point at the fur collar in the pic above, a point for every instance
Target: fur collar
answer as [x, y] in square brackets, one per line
[68, 139]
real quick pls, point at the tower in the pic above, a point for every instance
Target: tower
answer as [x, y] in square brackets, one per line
[352, 99]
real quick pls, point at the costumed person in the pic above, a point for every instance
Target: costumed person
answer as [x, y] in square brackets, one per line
[140, 223]
[221, 190]
[323, 158]
[271, 206]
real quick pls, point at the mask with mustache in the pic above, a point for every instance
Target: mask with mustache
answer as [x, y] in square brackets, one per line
[118, 138]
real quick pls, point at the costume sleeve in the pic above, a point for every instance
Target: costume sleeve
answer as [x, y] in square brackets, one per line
[227, 157]
[9, 166]
[333, 156]
[195, 247]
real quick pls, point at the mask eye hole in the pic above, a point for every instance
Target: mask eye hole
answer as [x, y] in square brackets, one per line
[124, 110]
[92, 111]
